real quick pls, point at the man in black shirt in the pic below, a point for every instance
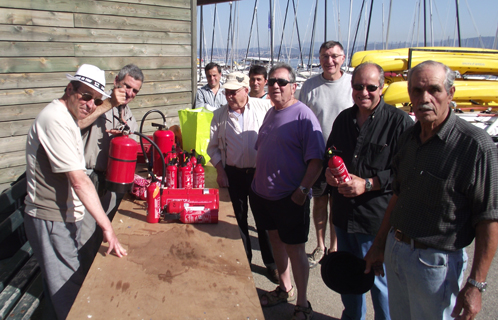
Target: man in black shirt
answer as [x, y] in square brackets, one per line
[445, 180]
[367, 135]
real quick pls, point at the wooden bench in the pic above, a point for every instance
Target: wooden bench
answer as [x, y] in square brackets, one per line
[21, 284]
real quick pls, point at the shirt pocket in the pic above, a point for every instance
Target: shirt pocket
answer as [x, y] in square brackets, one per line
[377, 156]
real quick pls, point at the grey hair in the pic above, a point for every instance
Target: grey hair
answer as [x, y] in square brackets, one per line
[450, 75]
[330, 44]
[282, 65]
[132, 71]
[366, 64]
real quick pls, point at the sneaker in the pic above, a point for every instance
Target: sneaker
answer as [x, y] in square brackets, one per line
[315, 257]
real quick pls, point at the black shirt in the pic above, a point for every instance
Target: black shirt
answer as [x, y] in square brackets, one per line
[367, 152]
[446, 185]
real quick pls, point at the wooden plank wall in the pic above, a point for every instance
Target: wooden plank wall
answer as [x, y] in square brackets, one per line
[42, 40]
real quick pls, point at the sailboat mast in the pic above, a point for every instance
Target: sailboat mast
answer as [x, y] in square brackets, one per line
[388, 24]
[325, 19]
[310, 56]
[425, 25]
[283, 30]
[214, 28]
[272, 29]
[228, 37]
[200, 45]
[458, 23]
[369, 21]
[252, 23]
[349, 29]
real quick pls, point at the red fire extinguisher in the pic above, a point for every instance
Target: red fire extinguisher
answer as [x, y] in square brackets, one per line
[199, 174]
[184, 176]
[194, 214]
[121, 164]
[165, 139]
[153, 202]
[337, 166]
[171, 174]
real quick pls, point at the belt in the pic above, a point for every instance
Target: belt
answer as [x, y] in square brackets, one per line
[244, 170]
[400, 236]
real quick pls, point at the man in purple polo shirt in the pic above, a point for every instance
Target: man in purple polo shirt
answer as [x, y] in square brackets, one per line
[290, 151]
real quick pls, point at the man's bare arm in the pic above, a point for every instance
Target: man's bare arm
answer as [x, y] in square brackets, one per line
[85, 190]
[469, 299]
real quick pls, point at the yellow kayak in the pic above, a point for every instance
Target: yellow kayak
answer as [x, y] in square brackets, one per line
[465, 90]
[480, 61]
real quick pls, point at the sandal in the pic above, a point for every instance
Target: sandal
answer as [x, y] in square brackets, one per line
[307, 312]
[277, 296]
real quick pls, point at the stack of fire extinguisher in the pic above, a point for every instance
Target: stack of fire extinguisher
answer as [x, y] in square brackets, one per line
[176, 190]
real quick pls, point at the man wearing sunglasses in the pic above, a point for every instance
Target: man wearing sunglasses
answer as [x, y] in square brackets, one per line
[367, 134]
[327, 95]
[290, 151]
[234, 130]
[97, 131]
[60, 192]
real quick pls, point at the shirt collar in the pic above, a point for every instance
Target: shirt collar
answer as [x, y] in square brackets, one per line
[445, 130]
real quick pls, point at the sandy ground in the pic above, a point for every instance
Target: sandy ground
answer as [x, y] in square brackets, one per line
[327, 304]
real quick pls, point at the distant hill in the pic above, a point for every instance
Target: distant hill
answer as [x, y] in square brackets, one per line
[294, 52]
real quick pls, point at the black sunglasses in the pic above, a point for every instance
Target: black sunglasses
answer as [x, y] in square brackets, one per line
[360, 87]
[88, 97]
[280, 82]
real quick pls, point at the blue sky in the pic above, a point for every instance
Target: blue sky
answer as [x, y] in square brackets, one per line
[404, 26]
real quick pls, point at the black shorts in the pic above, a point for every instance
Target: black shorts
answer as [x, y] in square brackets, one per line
[321, 188]
[291, 220]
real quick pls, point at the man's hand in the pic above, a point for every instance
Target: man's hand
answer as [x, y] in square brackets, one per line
[329, 177]
[222, 178]
[299, 197]
[118, 96]
[469, 301]
[353, 187]
[110, 237]
[375, 259]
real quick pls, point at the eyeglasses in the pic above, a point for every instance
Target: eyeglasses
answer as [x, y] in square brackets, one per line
[87, 97]
[333, 56]
[232, 92]
[280, 82]
[360, 87]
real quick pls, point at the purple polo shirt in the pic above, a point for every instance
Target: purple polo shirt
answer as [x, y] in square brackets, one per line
[287, 140]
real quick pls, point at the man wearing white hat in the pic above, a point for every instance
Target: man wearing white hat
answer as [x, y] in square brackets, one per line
[234, 131]
[59, 190]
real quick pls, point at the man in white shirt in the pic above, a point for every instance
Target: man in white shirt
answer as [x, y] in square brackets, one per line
[59, 191]
[234, 131]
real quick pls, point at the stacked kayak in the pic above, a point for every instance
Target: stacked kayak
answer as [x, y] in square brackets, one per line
[472, 94]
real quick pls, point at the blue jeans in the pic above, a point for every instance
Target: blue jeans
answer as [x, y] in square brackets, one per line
[355, 305]
[423, 283]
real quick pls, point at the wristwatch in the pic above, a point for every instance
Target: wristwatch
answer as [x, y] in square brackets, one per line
[368, 185]
[305, 190]
[481, 286]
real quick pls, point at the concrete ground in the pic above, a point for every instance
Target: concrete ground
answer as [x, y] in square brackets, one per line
[327, 304]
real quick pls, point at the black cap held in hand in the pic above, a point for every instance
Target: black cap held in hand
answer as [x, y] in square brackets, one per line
[343, 272]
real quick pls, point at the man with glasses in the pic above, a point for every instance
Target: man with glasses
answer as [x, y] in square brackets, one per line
[367, 134]
[97, 131]
[290, 151]
[211, 96]
[59, 191]
[234, 130]
[327, 95]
